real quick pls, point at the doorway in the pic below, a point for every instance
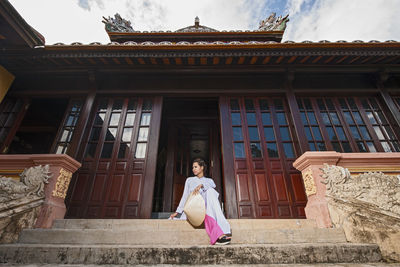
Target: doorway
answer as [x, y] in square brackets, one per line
[189, 130]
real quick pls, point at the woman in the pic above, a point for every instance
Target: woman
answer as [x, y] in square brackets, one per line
[217, 227]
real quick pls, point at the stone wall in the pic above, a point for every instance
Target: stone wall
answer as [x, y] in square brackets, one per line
[366, 206]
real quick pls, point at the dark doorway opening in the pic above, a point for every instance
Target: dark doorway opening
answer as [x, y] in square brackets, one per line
[189, 129]
[39, 127]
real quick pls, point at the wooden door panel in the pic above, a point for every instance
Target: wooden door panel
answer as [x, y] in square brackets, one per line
[240, 165]
[243, 188]
[245, 211]
[280, 187]
[80, 187]
[131, 211]
[98, 188]
[135, 187]
[299, 191]
[262, 188]
[265, 211]
[112, 212]
[284, 211]
[116, 188]
[121, 166]
[93, 212]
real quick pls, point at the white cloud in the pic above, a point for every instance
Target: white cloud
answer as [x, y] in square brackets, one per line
[80, 20]
[343, 20]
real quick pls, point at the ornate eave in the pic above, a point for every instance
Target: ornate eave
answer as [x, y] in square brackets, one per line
[261, 56]
[14, 30]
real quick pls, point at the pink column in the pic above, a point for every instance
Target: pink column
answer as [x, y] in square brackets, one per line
[62, 167]
[310, 165]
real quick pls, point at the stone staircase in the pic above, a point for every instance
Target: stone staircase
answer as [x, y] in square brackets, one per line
[177, 242]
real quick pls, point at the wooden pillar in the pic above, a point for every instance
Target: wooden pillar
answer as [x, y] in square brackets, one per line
[295, 113]
[151, 161]
[228, 163]
[169, 170]
[81, 125]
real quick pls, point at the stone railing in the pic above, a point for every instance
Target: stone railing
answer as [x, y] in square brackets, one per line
[359, 192]
[32, 191]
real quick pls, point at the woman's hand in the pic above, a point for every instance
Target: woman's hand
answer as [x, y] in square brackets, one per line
[173, 215]
[197, 189]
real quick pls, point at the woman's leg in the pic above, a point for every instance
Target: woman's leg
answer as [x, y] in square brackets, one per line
[215, 222]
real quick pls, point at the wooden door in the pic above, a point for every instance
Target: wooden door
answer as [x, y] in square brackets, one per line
[183, 139]
[258, 152]
[116, 179]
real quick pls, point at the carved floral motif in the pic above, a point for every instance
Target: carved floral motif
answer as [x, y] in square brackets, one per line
[374, 189]
[32, 181]
[62, 183]
[309, 183]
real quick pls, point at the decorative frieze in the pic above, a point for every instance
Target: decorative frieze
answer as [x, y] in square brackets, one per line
[309, 183]
[62, 184]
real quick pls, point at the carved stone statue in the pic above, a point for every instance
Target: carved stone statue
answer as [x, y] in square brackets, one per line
[372, 188]
[366, 207]
[274, 24]
[117, 24]
[31, 183]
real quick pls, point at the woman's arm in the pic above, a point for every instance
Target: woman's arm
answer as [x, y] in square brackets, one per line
[208, 184]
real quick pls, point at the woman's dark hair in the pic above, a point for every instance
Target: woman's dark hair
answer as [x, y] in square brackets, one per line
[201, 163]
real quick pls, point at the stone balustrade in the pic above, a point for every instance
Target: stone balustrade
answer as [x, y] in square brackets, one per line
[311, 163]
[61, 169]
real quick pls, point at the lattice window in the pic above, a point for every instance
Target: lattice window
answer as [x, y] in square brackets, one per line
[65, 135]
[311, 125]
[380, 124]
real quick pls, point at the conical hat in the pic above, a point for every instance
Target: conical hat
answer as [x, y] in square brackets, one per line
[195, 209]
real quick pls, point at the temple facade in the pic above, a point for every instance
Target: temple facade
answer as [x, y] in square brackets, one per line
[136, 112]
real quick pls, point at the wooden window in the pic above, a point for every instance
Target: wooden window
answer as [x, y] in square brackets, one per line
[67, 129]
[143, 135]
[311, 125]
[347, 124]
[380, 125]
[333, 125]
[11, 113]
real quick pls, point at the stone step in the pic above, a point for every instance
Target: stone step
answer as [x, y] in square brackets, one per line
[370, 264]
[149, 224]
[185, 237]
[302, 253]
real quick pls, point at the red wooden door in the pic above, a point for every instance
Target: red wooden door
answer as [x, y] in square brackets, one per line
[117, 174]
[189, 139]
[258, 144]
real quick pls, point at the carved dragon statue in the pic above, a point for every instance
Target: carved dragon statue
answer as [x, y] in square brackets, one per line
[372, 188]
[274, 24]
[32, 181]
[117, 24]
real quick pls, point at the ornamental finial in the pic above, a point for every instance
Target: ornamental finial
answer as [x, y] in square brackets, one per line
[196, 21]
[274, 24]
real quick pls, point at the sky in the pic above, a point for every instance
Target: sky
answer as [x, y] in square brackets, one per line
[70, 21]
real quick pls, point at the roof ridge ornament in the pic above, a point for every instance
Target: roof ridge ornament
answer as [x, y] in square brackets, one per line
[274, 24]
[197, 27]
[117, 24]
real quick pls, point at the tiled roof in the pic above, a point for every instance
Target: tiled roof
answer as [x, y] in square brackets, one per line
[200, 43]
